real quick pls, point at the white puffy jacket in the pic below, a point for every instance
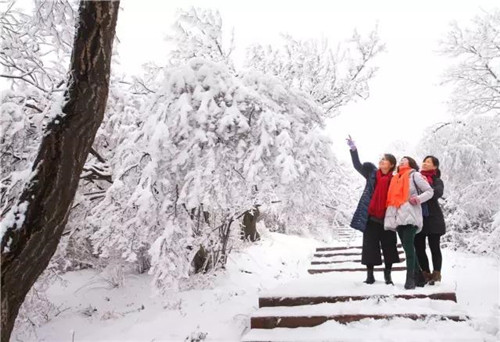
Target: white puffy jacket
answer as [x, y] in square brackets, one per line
[408, 213]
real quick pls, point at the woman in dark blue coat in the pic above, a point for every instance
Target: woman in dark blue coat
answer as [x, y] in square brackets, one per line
[434, 226]
[370, 213]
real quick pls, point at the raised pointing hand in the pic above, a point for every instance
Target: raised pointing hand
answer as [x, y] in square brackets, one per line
[350, 143]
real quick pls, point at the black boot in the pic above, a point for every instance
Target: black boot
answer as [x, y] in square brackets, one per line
[410, 280]
[370, 279]
[419, 278]
[387, 277]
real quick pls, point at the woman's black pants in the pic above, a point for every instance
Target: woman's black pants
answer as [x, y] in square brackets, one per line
[435, 246]
[376, 237]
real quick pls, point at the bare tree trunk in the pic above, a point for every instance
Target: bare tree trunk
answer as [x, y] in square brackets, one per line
[29, 243]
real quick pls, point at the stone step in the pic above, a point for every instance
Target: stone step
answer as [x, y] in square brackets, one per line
[326, 262]
[360, 269]
[328, 255]
[350, 311]
[340, 248]
[334, 284]
[310, 300]
[272, 322]
[406, 330]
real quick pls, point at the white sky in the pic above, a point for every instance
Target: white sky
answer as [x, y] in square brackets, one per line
[405, 94]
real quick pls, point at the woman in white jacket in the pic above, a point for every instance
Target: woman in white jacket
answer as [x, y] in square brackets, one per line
[407, 191]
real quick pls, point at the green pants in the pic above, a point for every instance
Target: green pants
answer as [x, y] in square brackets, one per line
[407, 235]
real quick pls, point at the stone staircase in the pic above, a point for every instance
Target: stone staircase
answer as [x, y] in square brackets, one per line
[345, 259]
[332, 298]
[346, 235]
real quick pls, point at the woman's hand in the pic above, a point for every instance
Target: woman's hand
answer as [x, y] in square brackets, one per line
[351, 144]
[414, 200]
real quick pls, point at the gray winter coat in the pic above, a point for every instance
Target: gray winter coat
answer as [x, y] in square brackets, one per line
[408, 213]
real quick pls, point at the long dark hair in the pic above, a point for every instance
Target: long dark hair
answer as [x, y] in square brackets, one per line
[435, 162]
[413, 164]
[391, 159]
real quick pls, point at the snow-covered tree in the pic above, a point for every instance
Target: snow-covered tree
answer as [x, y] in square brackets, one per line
[199, 33]
[333, 78]
[34, 225]
[211, 145]
[216, 141]
[36, 43]
[401, 148]
[476, 70]
[468, 145]
[468, 152]
[187, 150]
[34, 56]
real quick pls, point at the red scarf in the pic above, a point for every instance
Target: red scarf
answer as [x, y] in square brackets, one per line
[379, 198]
[429, 175]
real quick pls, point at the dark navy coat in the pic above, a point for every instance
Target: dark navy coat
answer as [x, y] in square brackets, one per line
[369, 171]
[434, 223]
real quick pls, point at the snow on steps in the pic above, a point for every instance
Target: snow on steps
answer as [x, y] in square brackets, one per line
[309, 300]
[343, 253]
[327, 262]
[345, 259]
[349, 268]
[350, 285]
[302, 309]
[394, 330]
[346, 235]
[340, 248]
[347, 312]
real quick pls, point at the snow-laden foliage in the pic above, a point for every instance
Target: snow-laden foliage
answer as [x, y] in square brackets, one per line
[184, 151]
[470, 163]
[206, 145]
[476, 70]
[34, 55]
[199, 33]
[219, 142]
[332, 78]
[468, 145]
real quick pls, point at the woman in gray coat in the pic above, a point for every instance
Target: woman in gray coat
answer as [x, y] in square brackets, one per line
[407, 191]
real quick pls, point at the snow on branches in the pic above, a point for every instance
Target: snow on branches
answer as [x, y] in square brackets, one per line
[470, 163]
[468, 145]
[476, 72]
[332, 78]
[217, 141]
[199, 33]
[190, 148]
[34, 56]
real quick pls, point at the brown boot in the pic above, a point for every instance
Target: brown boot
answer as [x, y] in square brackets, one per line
[427, 276]
[436, 276]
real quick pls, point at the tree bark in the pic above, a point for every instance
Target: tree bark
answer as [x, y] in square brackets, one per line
[250, 225]
[28, 244]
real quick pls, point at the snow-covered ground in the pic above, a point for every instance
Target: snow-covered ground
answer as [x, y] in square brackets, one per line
[93, 311]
